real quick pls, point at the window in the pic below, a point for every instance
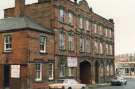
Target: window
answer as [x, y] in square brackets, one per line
[42, 43]
[87, 25]
[7, 42]
[70, 18]
[62, 40]
[71, 69]
[95, 28]
[101, 70]
[108, 70]
[62, 70]
[50, 71]
[111, 50]
[101, 48]
[110, 33]
[107, 49]
[61, 18]
[81, 22]
[101, 30]
[87, 47]
[82, 44]
[38, 76]
[106, 32]
[96, 47]
[71, 42]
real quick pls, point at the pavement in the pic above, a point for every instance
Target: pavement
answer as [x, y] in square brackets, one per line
[98, 85]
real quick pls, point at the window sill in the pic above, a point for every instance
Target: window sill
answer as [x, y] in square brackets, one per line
[50, 79]
[43, 52]
[62, 49]
[38, 81]
[71, 50]
[7, 51]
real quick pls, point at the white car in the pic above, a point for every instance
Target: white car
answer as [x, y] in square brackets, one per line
[118, 80]
[67, 84]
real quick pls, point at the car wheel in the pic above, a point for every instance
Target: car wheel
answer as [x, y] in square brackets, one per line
[63, 88]
[126, 83]
[69, 88]
[121, 83]
[83, 88]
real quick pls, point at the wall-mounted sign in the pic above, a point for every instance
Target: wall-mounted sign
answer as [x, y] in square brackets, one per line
[15, 71]
[72, 61]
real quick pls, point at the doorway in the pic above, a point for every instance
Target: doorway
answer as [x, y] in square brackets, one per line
[85, 72]
[6, 72]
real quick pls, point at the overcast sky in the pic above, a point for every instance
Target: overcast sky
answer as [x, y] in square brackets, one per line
[123, 13]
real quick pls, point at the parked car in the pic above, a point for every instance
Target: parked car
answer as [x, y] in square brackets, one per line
[67, 84]
[118, 80]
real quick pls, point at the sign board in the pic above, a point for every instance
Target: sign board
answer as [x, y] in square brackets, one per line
[72, 61]
[15, 71]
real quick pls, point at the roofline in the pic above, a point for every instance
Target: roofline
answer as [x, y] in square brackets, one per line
[26, 28]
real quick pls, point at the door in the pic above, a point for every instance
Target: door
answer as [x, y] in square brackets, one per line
[6, 76]
[85, 72]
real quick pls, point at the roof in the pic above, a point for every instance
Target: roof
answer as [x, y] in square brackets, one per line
[16, 23]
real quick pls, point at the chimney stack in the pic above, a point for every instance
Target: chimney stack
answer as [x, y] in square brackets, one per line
[19, 8]
[111, 20]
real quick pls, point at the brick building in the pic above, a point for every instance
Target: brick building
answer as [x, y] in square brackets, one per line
[54, 39]
[125, 65]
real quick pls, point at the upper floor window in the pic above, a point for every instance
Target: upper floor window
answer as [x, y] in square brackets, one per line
[61, 17]
[101, 30]
[82, 45]
[106, 32]
[62, 40]
[42, 43]
[101, 48]
[110, 33]
[96, 46]
[111, 49]
[95, 28]
[87, 25]
[71, 42]
[81, 22]
[107, 49]
[50, 71]
[87, 48]
[38, 72]
[7, 42]
[70, 18]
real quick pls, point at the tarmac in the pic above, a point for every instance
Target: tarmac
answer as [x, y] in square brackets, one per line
[97, 85]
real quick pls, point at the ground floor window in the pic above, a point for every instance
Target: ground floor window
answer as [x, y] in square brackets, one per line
[62, 70]
[71, 71]
[108, 70]
[50, 71]
[101, 71]
[111, 69]
[38, 72]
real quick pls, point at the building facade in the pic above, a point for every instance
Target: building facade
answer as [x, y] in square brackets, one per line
[125, 65]
[79, 44]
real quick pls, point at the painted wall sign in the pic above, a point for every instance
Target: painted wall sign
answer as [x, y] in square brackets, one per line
[72, 61]
[15, 71]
